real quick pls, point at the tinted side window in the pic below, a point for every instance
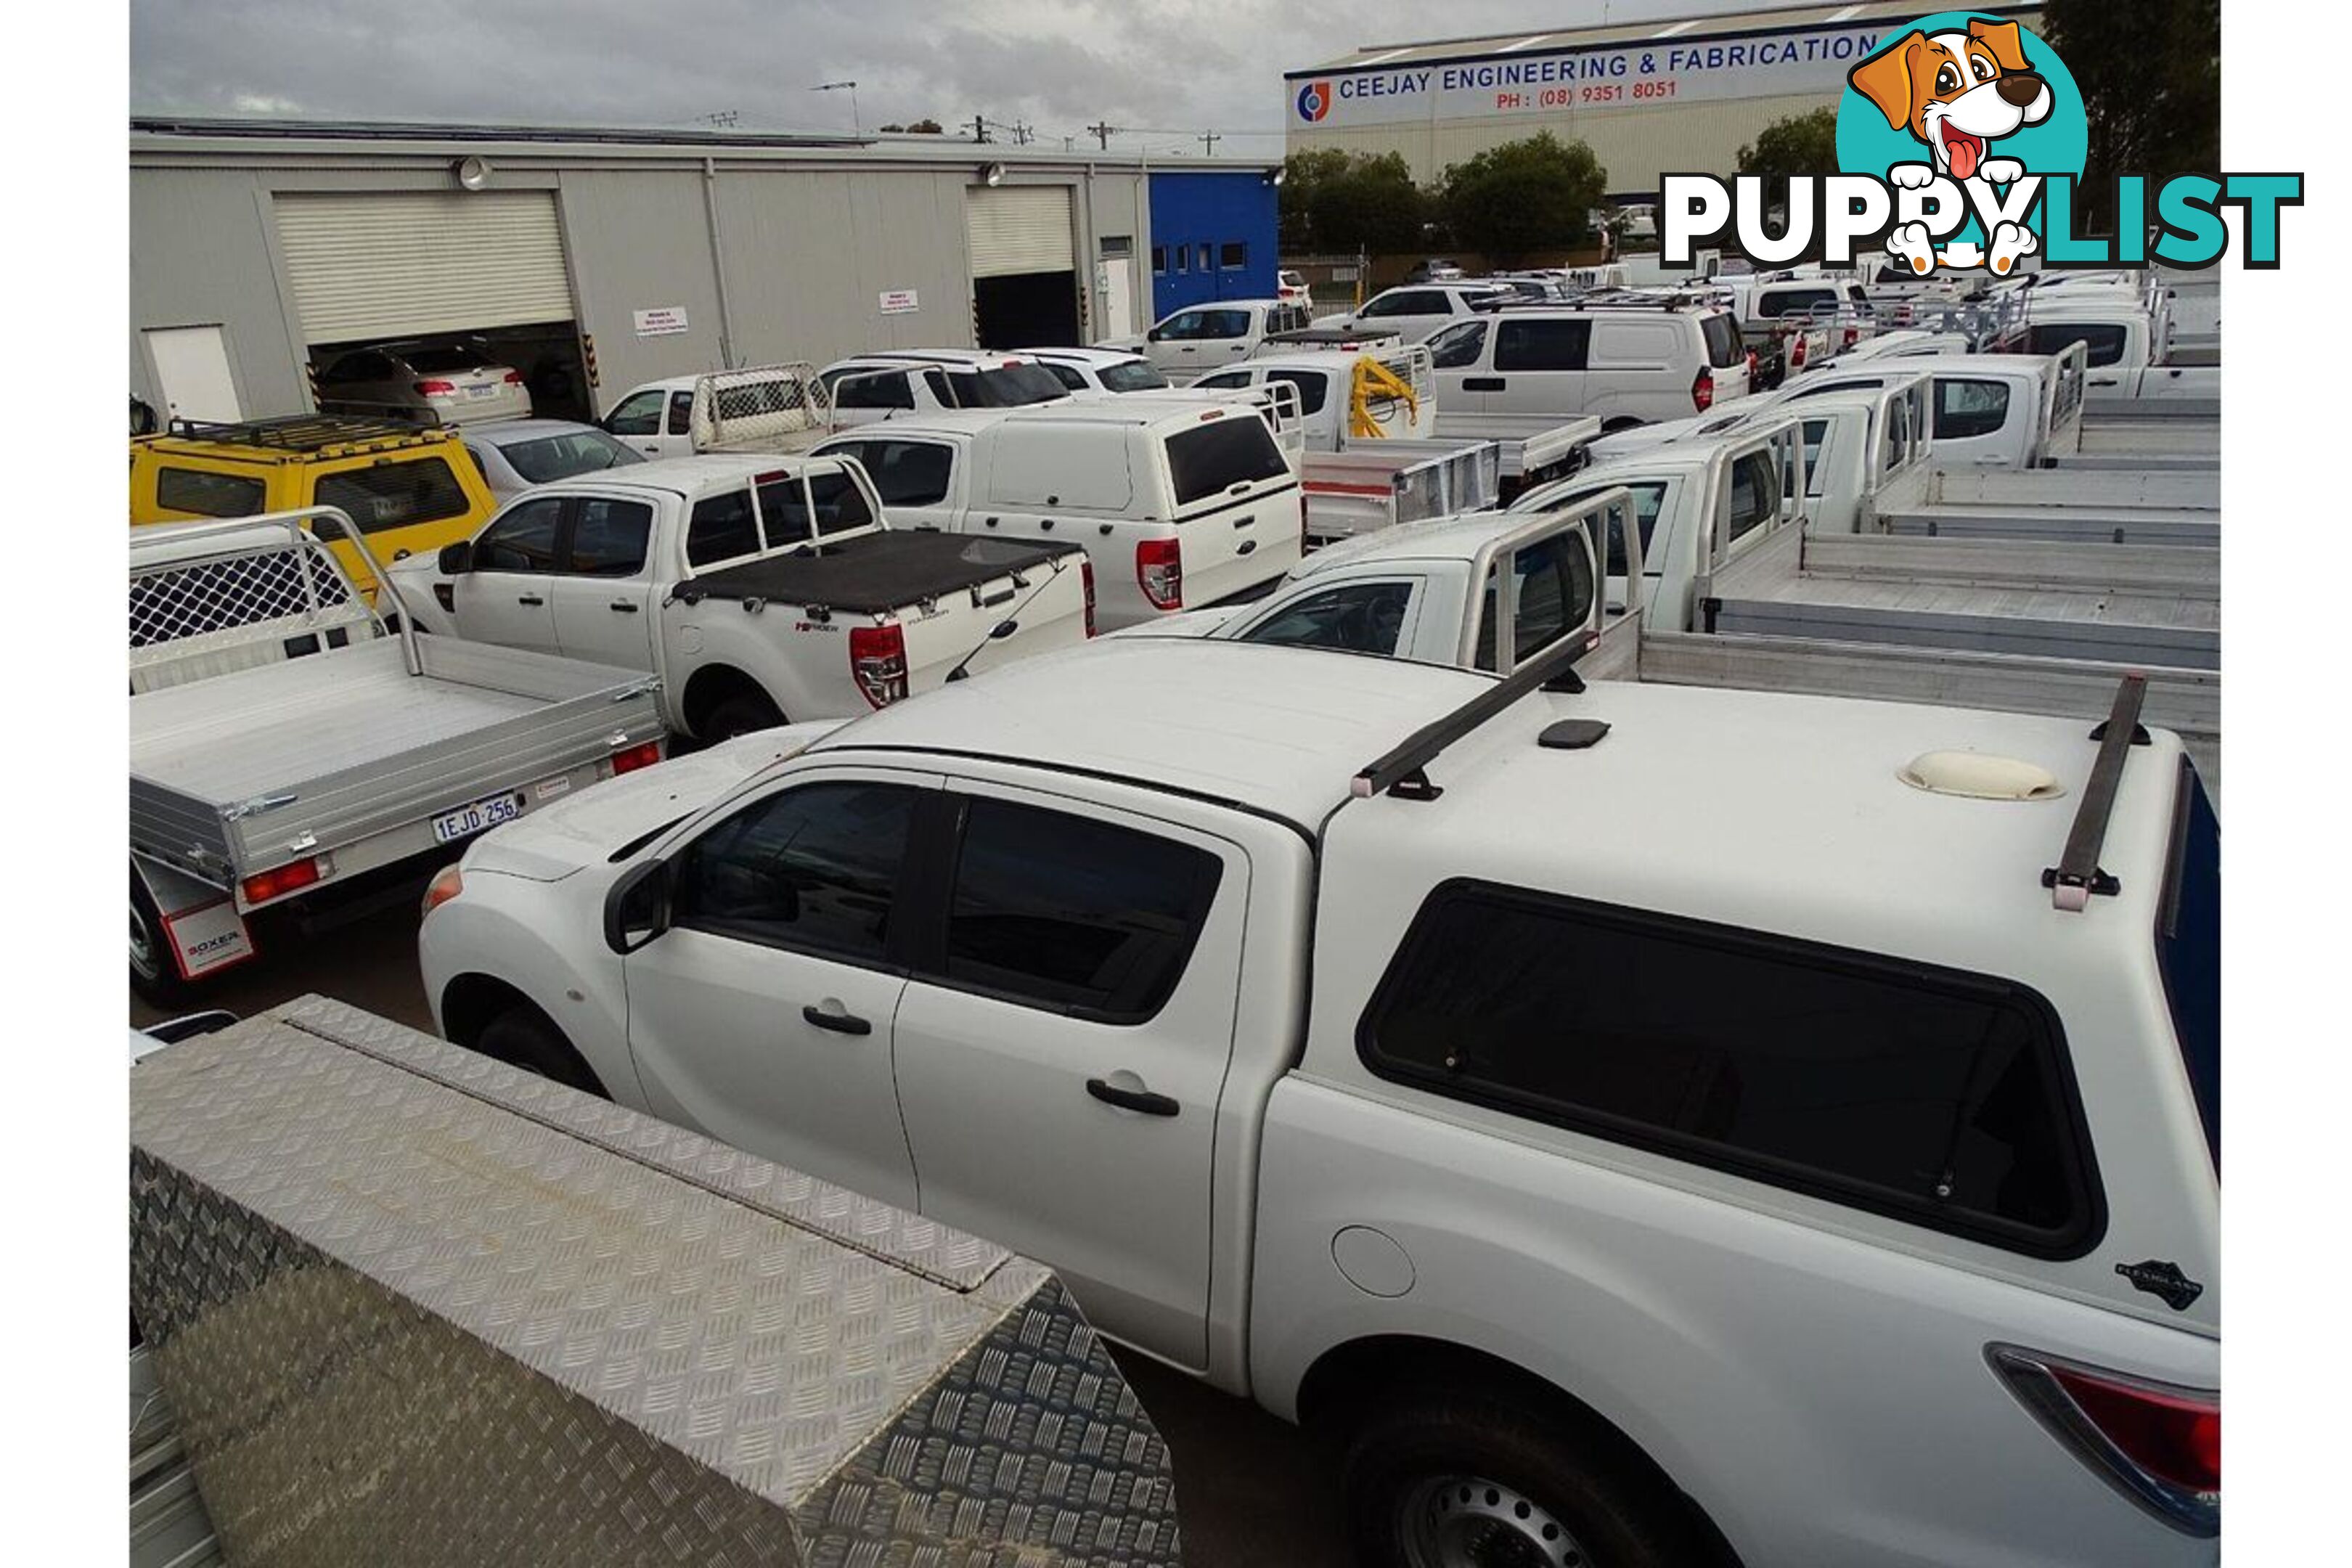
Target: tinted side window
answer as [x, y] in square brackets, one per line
[1457, 345]
[1756, 485]
[1965, 408]
[681, 413]
[2104, 343]
[637, 415]
[608, 538]
[1071, 914]
[1555, 593]
[522, 540]
[905, 473]
[867, 389]
[1222, 324]
[1795, 302]
[1940, 1098]
[207, 494]
[1208, 459]
[1541, 345]
[840, 506]
[1311, 389]
[722, 529]
[812, 869]
[1360, 617]
[395, 495]
[2188, 948]
[1725, 347]
[1067, 377]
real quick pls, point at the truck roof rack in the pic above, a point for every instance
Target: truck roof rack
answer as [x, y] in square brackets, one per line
[1400, 771]
[2077, 875]
[299, 431]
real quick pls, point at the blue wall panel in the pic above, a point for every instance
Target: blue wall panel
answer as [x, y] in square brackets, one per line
[1195, 218]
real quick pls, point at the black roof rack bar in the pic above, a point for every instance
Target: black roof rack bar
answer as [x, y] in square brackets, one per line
[295, 432]
[1400, 771]
[2077, 875]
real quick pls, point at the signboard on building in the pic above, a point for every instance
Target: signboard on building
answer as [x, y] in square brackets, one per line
[898, 301]
[660, 321]
[1533, 86]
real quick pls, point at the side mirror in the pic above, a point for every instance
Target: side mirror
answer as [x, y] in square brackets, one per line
[1152, 336]
[455, 560]
[636, 909]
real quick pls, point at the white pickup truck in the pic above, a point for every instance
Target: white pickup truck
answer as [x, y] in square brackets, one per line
[756, 587]
[1987, 411]
[1176, 501]
[2129, 340]
[290, 751]
[1357, 403]
[1626, 1158]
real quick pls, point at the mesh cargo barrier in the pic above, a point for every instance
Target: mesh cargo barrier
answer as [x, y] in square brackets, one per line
[413, 1307]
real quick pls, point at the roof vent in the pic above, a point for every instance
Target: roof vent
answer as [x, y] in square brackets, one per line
[1979, 777]
[1572, 734]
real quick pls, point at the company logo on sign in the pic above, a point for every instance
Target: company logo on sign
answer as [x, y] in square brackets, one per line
[1962, 141]
[1314, 101]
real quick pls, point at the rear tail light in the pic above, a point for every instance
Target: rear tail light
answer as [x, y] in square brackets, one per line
[1160, 571]
[1703, 390]
[1752, 367]
[278, 881]
[513, 378]
[877, 657]
[1796, 353]
[1087, 581]
[644, 755]
[2159, 1444]
[1853, 336]
[446, 885]
[437, 388]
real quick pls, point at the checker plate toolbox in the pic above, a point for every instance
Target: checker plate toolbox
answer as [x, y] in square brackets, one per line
[411, 1306]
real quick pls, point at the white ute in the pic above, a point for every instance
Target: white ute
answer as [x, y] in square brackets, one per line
[1641, 1125]
[757, 588]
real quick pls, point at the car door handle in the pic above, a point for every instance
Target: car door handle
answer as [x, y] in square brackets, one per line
[1481, 383]
[529, 599]
[833, 1017]
[1141, 1100]
[622, 606]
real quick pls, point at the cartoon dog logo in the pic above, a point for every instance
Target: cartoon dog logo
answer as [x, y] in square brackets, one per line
[1958, 92]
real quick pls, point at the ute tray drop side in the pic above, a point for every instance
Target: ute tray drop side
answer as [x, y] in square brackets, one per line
[873, 573]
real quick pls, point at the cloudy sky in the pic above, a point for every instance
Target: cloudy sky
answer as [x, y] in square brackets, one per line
[1169, 69]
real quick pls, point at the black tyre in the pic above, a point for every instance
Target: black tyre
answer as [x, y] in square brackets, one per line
[1466, 1477]
[153, 975]
[738, 715]
[523, 1037]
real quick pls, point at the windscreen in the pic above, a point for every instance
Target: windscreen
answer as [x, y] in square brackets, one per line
[1006, 387]
[573, 452]
[1209, 460]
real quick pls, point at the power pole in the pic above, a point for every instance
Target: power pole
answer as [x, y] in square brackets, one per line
[1103, 134]
[1208, 139]
[979, 128]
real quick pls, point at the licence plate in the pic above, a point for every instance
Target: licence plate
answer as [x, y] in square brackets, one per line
[481, 391]
[480, 816]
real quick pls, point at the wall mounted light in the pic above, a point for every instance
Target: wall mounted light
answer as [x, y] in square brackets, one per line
[473, 174]
[1276, 176]
[992, 173]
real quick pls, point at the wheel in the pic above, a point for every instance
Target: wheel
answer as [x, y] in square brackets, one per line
[523, 1037]
[1478, 1478]
[152, 974]
[738, 715]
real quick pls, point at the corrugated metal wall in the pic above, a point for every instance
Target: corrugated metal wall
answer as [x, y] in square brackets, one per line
[806, 252]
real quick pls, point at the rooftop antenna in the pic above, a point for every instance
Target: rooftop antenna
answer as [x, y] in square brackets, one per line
[851, 88]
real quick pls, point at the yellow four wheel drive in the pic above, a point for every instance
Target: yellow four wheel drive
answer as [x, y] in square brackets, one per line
[411, 490]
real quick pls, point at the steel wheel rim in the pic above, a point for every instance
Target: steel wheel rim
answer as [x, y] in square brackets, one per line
[144, 957]
[1469, 1521]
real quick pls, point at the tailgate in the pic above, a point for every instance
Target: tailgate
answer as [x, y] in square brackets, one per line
[1044, 602]
[1240, 543]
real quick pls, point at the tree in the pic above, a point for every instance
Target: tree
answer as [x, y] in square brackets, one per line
[2151, 78]
[1335, 201]
[919, 128]
[1526, 195]
[1796, 144]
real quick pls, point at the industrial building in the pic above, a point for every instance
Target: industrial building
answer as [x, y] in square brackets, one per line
[595, 259]
[1679, 95]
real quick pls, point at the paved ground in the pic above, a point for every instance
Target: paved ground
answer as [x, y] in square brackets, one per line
[1251, 1490]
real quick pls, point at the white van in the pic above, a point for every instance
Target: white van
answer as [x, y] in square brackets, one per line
[1628, 363]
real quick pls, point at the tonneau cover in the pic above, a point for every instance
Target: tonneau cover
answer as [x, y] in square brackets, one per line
[870, 573]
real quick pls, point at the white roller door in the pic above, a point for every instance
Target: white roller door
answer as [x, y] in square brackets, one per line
[404, 264]
[1019, 228]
